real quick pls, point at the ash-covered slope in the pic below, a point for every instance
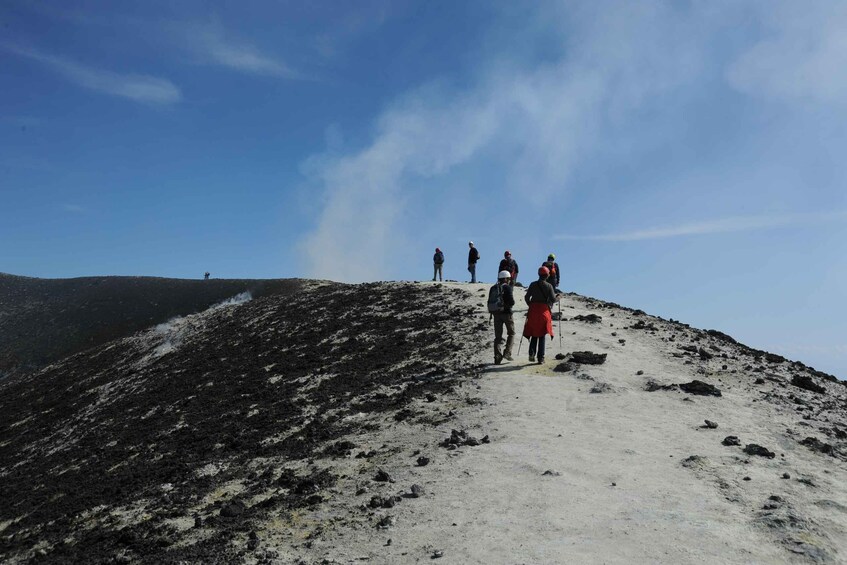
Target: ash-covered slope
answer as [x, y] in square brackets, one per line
[43, 320]
[180, 442]
[366, 423]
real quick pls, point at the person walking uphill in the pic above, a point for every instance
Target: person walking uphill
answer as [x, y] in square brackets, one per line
[555, 273]
[438, 263]
[473, 257]
[501, 298]
[540, 297]
[509, 264]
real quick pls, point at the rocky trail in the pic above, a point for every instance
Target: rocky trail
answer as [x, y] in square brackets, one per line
[368, 424]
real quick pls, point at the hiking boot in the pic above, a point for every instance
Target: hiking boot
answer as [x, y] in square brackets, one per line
[532, 358]
[540, 360]
[508, 357]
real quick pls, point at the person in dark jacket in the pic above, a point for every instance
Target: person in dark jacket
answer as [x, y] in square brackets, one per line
[504, 318]
[473, 257]
[555, 273]
[438, 263]
[509, 264]
[540, 297]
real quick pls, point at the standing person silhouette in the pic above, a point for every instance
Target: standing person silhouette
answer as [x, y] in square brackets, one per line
[473, 257]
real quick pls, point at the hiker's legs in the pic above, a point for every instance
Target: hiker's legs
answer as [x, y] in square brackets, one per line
[541, 343]
[510, 339]
[472, 270]
[434, 271]
[498, 338]
[440, 272]
[533, 345]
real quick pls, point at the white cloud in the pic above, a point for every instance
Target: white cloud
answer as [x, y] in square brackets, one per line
[139, 88]
[803, 56]
[212, 45]
[724, 225]
[544, 118]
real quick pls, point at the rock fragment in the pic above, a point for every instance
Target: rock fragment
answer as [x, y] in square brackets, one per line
[700, 388]
[756, 449]
[731, 440]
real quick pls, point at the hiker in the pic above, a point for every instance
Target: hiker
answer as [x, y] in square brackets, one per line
[501, 298]
[509, 264]
[553, 267]
[438, 263]
[206, 276]
[473, 257]
[540, 297]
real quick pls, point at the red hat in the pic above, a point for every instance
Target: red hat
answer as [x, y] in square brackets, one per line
[543, 272]
[507, 253]
[437, 250]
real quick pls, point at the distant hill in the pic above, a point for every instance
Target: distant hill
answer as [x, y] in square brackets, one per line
[44, 320]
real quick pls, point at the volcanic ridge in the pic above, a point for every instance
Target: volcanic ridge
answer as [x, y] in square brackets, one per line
[318, 422]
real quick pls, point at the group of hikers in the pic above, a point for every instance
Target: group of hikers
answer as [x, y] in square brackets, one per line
[540, 296]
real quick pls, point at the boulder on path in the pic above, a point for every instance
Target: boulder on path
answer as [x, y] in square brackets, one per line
[731, 440]
[588, 357]
[700, 388]
[755, 449]
[590, 318]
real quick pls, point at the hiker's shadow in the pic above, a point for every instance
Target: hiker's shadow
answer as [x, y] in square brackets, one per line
[492, 368]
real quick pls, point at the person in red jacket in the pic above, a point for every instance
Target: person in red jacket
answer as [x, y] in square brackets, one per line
[540, 297]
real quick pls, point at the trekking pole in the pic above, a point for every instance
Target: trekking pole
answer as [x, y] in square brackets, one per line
[520, 343]
[560, 321]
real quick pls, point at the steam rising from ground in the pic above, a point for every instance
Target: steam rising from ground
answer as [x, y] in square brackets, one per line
[170, 334]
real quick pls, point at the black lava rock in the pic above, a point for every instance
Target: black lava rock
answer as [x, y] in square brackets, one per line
[700, 388]
[590, 318]
[588, 358]
[731, 440]
[233, 509]
[710, 425]
[383, 477]
[807, 383]
[755, 449]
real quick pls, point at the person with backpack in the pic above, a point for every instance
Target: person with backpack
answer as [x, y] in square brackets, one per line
[540, 297]
[555, 273]
[438, 263]
[509, 264]
[501, 298]
[473, 257]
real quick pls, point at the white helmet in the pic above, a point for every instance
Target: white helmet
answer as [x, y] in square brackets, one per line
[504, 275]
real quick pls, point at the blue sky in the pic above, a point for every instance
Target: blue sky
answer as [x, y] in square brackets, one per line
[681, 157]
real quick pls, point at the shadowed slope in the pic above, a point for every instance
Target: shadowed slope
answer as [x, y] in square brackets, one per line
[43, 320]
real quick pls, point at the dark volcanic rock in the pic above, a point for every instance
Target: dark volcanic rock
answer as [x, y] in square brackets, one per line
[233, 509]
[755, 449]
[565, 367]
[731, 440]
[653, 386]
[704, 355]
[815, 444]
[807, 383]
[700, 388]
[590, 318]
[588, 358]
[600, 388]
[710, 424]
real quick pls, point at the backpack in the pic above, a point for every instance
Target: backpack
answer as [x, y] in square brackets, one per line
[495, 299]
[438, 258]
